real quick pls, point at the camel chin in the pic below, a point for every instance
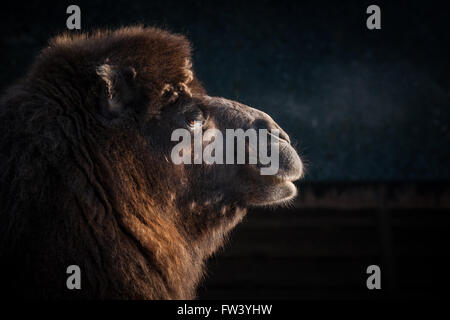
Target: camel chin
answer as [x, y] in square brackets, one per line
[274, 195]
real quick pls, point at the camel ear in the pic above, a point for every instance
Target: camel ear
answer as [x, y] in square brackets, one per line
[118, 88]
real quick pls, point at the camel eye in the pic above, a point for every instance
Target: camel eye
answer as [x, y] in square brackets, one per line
[195, 124]
[195, 120]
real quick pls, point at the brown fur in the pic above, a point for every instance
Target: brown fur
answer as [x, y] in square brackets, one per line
[86, 178]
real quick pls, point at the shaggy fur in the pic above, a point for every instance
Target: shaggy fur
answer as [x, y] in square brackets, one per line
[86, 179]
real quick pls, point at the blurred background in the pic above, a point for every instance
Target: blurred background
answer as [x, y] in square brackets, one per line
[368, 110]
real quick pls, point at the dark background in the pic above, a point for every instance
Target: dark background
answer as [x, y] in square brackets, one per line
[369, 111]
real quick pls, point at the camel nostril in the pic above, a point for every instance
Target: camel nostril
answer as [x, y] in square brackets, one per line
[283, 135]
[271, 125]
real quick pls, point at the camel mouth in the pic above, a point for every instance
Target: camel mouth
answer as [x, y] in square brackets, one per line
[276, 194]
[286, 191]
[279, 189]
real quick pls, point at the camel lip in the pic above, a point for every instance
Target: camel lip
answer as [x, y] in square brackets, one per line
[290, 193]
[292, 186]
[288, 177]
[282, 177]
